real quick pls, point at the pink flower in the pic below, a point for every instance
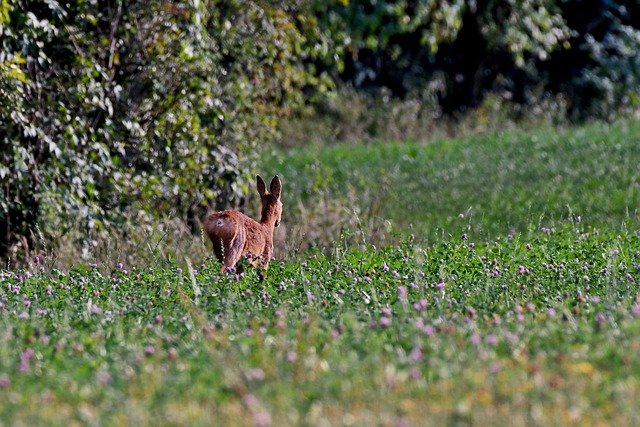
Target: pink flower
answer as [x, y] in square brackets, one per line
[25, 358]
[475, 339]
[5, 381]
[103, 377]
[551, 312]
[635, 310]
[292, 356]
[600, 318]
[402, 293]
[492, 339]
[262, 419]
[385, 322]
[149, 350]
[416, 355]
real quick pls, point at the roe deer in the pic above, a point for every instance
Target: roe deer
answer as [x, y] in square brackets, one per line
[234, 234]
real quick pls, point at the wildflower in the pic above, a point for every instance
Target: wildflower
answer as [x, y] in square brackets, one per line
[531, 307]
[120, 266]
[595, 299]
[635, 310]
[95, 309]
[385, 267]
[158, 319]
[385, 322]
[420, 305]
[492, 339]
[149, 350]
[386, 311]
[262, 419]
[600, 319]
[5, 381]
[25, 357]
[475, 339]
[250, 400]
[103, 377]
[440, 284]
[402, 293]
[428, 330]
[551, 312]
[23, 316]
[415, 373]
[522, 270]
[256, 374]
[416, 355]
[292, 356]
[495, 367]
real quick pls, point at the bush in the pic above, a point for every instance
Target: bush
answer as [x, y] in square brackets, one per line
[117, 114]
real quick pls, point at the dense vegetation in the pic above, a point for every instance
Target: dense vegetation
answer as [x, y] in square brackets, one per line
[123, 118]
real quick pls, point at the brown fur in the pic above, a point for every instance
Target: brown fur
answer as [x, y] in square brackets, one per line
[234, 234]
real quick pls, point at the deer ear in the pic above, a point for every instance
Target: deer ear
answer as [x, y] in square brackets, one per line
[262, 187]
[276, 186]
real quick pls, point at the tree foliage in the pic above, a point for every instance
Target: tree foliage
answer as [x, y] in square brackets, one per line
[115, 113]
[457, 51]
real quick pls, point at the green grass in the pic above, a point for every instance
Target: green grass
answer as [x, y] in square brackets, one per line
[466, 322]
[505, 182]
[537, 330]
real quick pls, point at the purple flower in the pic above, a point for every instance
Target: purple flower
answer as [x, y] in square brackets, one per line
[250, 400]
[149, 350]
[492, 339]
[440, 284]
[635, 310]
[5, 381]
[495, 367]
[385, 267]
[95, 309]
[385, 322]
[292, 356]
[420, 305]
[25, 358]
[551, 312]
[416, 355]
[103, 377]
[428, 330]
[256, 374]
[475, 339]
[600, 318]
[402, 293]
[595, 299]
[386, 311]
[262, 419]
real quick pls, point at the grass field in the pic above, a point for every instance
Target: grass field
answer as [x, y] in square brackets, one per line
[506, 183]
[525, 309]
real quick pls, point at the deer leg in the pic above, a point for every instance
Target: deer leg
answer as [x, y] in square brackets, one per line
[266, 255]
[233, 250]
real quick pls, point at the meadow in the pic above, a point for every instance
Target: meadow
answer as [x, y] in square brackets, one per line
[485, 280]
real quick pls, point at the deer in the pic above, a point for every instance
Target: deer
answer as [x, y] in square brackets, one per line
[234, 234]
